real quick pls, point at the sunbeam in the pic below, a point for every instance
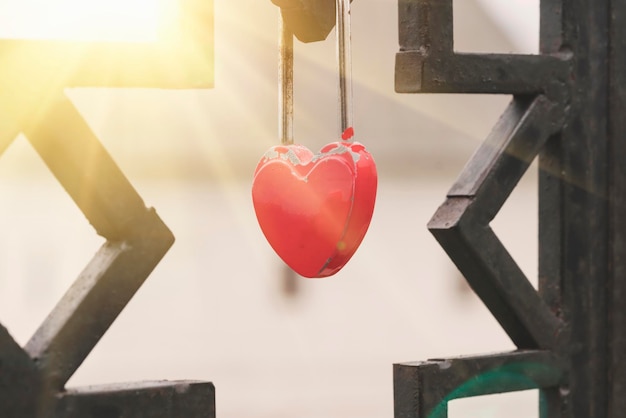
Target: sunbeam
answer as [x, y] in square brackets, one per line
[111, 20]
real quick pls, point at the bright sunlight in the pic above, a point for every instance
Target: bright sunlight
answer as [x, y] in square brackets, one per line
[83, 20]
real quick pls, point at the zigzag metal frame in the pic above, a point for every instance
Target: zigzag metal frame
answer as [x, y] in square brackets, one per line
[461, 224]
[568, 107]
[563, 99]
[32, 101]
[32, 379]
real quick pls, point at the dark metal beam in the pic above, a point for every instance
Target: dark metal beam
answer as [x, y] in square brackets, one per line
[139, 400]
[502, 159]
[617, 210]
[423, 389]
[426, 26]
[427, 63]
[94, 301]
[461, 224]
[138, 240]
[20, 384]
[575, 211]
[86, 170]
[426, 72]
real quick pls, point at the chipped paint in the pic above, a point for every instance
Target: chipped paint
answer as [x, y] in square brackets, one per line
[339, 149]
[288, 154]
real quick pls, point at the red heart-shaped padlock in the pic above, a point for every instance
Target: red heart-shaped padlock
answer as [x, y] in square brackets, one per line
[314, 209]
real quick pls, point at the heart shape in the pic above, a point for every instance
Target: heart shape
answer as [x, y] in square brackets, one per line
[314, 209]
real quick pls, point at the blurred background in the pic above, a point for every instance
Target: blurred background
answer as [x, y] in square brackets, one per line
[221, 306]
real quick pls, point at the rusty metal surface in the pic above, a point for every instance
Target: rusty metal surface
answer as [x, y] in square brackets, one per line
[568, 109]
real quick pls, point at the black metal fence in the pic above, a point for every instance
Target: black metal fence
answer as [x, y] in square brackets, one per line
[571, 334]
[32, 100]
[567, 109]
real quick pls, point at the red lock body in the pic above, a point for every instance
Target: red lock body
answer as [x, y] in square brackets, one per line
[314, 209]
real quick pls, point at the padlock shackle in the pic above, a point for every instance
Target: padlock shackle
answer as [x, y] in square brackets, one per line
[344, 59]
[285, 76]
[285, 84]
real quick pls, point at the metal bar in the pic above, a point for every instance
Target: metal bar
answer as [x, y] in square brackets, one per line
[550, 252]
[19, 379]
[94, 301]
[138, 239]
[344, 59]
[86, 170]
[461, 223]
[285, 83]
[617, 263]
[185, 399]
[11, 354]
[551, 26]
[493, 274]
[502, 159]
[74, 326]
[423, 389]
[426, 26]
[585, 211]
[419, 71]
[550, 201]
[550, 207]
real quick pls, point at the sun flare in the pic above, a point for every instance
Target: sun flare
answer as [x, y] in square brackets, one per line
[83, 20]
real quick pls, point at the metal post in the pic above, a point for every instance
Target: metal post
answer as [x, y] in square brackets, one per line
[617, 211]
[582, 188]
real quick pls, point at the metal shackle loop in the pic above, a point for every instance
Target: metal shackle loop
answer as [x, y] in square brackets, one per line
[285, 76]
[344, 59]
[285, 84]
